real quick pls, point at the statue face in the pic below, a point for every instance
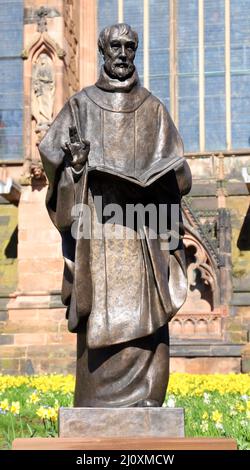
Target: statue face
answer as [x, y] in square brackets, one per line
[43, 59]
[119, 55]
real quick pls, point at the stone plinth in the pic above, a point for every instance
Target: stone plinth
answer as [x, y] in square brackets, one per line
[121, 422]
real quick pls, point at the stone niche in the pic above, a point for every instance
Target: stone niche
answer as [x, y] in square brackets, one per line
[44, 96]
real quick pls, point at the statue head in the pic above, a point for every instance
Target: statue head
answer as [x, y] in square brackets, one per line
[118, 44]
[43, 60]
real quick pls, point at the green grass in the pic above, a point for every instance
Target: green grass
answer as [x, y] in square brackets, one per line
[212, 414]
[233, 420]
[27, 423]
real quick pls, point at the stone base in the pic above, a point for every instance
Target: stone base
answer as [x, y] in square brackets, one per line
[121, 422]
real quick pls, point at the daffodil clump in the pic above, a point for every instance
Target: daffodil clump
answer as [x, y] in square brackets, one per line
[29, 405]
[215, 405]
[43, 383]
[198, 384]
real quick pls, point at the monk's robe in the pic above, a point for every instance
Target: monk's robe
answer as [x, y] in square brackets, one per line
[120, 292]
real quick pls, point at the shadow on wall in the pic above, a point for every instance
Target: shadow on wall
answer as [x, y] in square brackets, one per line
[243, 242]
[10, 251]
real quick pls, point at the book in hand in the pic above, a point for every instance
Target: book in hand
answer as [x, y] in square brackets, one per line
[142, 177]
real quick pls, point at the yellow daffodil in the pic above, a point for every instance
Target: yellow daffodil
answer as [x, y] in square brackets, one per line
[15, 408]
[180, 384]
[239, 407]
[34, 398]
[47, 413]
[217, 416]
[52, 414]
[203, 384]
[4, 405]
[205, 415]
[42, 412]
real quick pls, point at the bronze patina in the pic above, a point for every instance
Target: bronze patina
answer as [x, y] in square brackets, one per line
[116, 143]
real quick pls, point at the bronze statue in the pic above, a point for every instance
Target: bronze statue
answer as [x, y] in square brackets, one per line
[115, 142]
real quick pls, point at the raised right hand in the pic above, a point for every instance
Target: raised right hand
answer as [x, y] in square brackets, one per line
[76, 153]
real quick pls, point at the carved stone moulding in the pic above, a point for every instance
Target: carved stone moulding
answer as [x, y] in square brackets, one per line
[197, 325]
[42, 40]
[72, 33]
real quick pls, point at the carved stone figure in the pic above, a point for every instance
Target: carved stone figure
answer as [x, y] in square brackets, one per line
[114, 146]
[43, 92]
